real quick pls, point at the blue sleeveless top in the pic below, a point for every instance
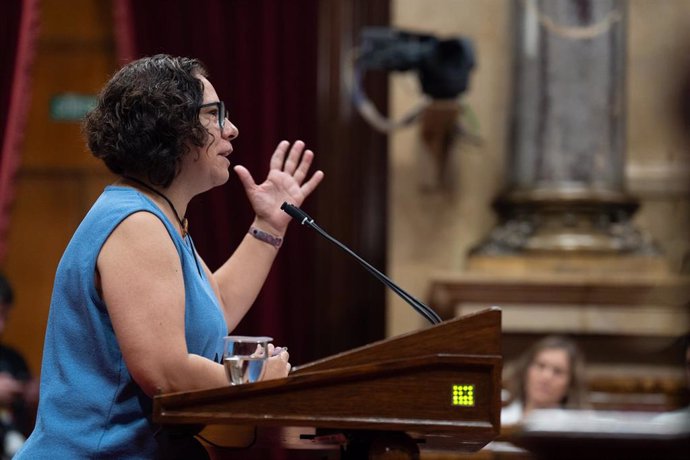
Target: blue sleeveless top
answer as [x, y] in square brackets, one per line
[89, 405]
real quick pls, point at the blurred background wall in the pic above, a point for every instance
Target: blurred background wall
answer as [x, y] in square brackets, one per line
[58, 179]
[625, 311]
[432, 231]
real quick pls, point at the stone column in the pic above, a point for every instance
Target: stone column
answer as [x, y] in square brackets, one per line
[566, 184]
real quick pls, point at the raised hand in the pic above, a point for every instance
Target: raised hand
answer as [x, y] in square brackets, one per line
[285, 182]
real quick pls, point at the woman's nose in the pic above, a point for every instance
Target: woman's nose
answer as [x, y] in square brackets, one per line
[545, 372]
[233, 131]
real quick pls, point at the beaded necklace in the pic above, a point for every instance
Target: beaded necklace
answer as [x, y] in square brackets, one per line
[183, 221]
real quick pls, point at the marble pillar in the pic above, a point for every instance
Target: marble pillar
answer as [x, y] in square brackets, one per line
[566, 185]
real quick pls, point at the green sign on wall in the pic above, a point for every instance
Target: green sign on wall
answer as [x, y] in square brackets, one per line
[71, 106]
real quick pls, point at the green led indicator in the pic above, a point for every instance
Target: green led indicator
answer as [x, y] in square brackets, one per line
[463, 395]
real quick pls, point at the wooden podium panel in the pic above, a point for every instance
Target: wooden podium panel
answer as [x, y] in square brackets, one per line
[440, 385]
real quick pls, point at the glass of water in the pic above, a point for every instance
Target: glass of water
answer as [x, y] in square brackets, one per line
[244, 358]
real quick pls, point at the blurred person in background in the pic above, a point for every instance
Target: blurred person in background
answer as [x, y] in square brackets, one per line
[549, 375]
[18, 390]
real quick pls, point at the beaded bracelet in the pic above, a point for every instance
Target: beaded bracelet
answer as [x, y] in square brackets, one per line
[260, 235]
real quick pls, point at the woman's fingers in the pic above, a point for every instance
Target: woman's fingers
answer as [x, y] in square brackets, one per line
[311, 184]
[293, 161]
[278, 157]
[303, 167]
[245, 177]
[278, 366]
[294, 158]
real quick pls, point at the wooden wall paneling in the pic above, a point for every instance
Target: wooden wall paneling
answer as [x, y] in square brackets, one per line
[84, 21]
[75, 56]
[352, 202]
[59, 144]
[43, 219]
[58, 178]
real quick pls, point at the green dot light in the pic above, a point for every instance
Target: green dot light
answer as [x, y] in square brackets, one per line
[463, 395]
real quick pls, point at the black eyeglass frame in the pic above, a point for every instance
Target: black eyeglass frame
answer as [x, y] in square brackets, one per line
[222, 114]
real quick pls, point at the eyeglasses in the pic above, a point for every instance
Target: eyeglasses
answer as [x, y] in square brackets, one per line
[219, 113]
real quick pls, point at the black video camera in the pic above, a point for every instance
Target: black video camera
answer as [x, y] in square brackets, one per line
[443, 65]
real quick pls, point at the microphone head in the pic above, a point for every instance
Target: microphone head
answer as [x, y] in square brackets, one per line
[296, 213]
[290, 210]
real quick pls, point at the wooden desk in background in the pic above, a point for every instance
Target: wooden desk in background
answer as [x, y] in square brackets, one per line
[627, 325]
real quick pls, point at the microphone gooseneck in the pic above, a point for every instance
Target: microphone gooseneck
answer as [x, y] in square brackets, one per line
[304, 218]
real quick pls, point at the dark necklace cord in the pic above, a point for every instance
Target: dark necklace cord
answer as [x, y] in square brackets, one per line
[183, 221]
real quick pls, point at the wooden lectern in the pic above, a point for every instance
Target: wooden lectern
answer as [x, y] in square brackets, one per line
[438, 387]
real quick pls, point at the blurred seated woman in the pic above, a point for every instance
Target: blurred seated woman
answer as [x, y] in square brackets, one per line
[549, 375]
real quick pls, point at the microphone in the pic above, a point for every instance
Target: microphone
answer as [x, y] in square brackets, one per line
[304, 219]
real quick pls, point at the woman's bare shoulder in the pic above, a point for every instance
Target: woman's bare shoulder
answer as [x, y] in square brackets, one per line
[141, 238]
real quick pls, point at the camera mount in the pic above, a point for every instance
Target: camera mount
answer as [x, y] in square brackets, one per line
[443, 67]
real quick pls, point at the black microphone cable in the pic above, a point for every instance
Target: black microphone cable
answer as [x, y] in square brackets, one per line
[304, 219]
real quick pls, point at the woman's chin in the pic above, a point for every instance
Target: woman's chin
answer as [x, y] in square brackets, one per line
[221, 179]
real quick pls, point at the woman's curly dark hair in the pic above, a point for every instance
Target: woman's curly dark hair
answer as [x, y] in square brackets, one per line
[146, 115]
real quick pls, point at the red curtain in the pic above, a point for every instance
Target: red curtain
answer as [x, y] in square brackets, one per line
[261, 56]
[18, 31]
